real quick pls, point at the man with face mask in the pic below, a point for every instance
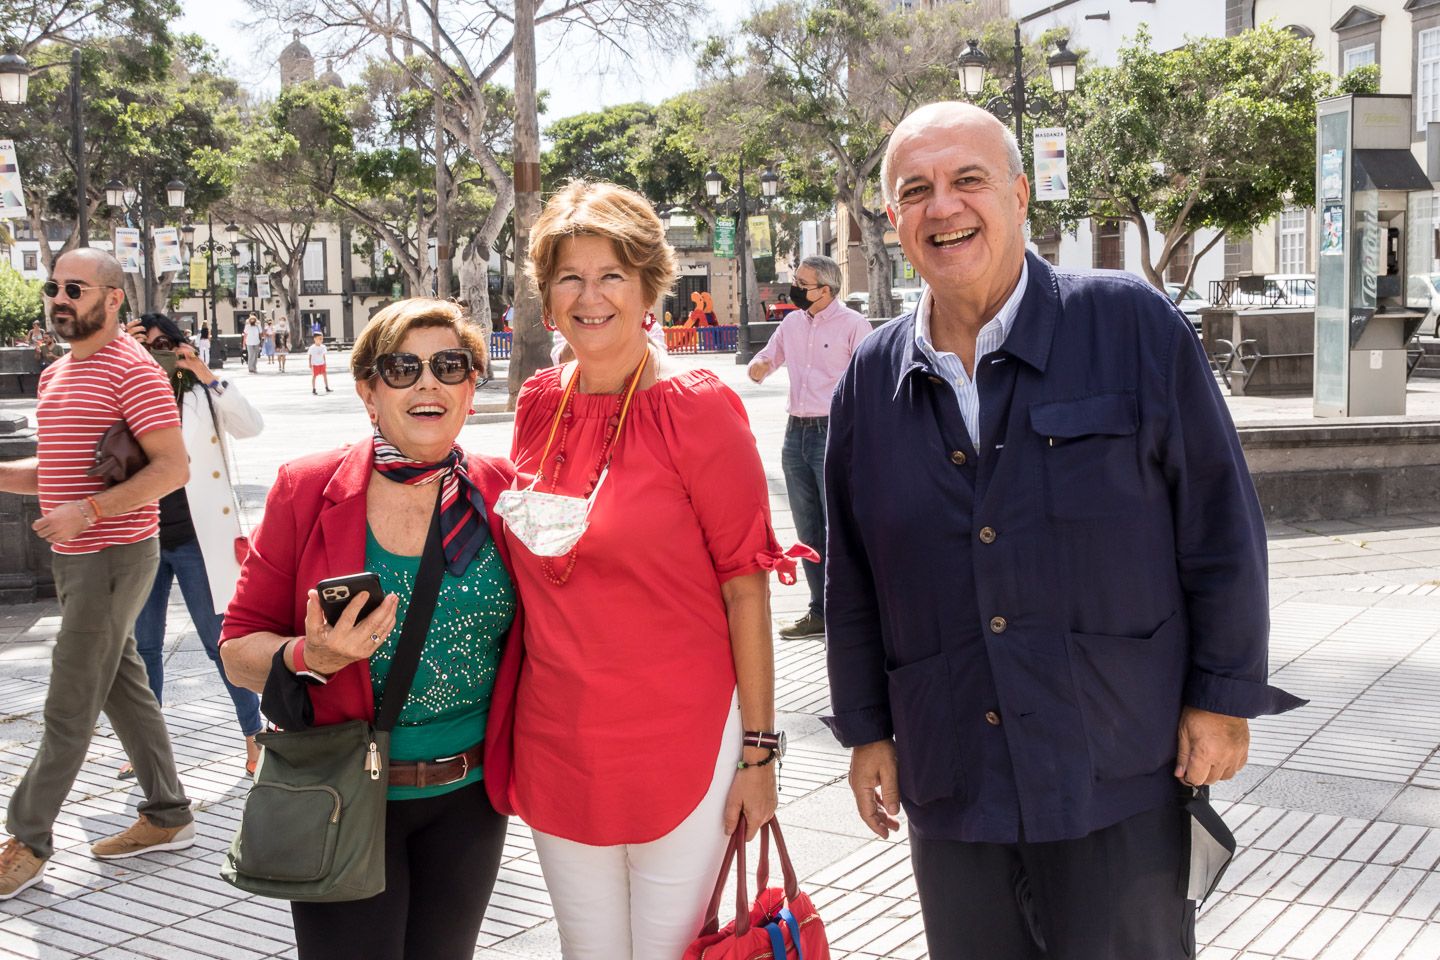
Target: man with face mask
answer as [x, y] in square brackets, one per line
[816, 341]
[105, 556]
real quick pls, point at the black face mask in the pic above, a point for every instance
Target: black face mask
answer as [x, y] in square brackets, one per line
[800, 297]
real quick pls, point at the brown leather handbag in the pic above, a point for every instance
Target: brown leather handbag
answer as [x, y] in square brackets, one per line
[118, 455]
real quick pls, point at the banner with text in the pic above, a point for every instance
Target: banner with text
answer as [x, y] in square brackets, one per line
[724, 245]
[242, 283]
[198, 278]
[262, 286]
[127, 249]
[1052, 171]
[12, 194]
[760, 237]
[167, 250]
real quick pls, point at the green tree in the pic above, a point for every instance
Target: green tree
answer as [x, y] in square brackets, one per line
[20, 302]
[597, 146]
[1218, 133]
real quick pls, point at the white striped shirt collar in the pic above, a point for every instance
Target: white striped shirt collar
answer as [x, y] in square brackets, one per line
[1005, 318]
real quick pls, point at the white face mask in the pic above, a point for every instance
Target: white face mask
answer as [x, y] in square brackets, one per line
[548, 524]
[551, 524]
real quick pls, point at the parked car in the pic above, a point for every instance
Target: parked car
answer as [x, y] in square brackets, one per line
[859, 300]
[907, 300]
[778, 309]
[1425, 295]
[1189, 302]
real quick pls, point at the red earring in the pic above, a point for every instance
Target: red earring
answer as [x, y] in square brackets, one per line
[548, 323]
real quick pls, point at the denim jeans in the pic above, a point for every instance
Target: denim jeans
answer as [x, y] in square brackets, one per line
[185, 564]
[803, 460]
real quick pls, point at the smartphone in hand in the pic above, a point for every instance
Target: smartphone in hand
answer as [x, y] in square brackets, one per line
[337, 592]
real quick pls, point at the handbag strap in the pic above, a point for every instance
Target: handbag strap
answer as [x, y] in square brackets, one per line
[230, 470]
[735, 849]
[417, 624]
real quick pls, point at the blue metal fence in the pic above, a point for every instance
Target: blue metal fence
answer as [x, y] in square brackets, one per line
[722, 339]
[500, 342]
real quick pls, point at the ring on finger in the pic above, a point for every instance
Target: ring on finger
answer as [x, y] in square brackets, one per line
[375, 638]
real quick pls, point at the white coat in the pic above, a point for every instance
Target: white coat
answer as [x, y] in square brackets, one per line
[214, 510]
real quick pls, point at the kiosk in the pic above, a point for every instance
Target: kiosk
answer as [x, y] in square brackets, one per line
[1375, 224]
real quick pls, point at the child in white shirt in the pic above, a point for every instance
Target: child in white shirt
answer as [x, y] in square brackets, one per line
[317, 363]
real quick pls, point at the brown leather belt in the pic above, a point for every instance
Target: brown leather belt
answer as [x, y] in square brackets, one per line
[438, 772]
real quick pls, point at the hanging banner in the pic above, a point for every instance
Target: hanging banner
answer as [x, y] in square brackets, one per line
[225, 272]
[760, 236]
[167, 250]
[127, 249]
[242, 283]
[198, 278]
[12, 194]
[262, 286]
[1052, 171]
[724, 244]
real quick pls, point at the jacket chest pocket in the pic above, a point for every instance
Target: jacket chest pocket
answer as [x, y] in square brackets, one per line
[1090, 454]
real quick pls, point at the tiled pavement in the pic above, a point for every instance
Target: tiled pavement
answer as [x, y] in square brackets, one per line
[1338, 813]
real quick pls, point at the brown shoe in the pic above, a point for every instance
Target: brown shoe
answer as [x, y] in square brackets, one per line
[142, 836]
[19, 868]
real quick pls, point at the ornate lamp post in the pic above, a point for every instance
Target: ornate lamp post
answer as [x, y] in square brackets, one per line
[739, 204]
[136, 207]
[1016, 102]
[209, 247]
[15, 88]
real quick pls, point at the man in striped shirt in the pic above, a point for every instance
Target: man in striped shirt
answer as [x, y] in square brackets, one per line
[105, 556]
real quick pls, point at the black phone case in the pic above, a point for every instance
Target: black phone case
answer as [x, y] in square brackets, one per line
[337, 592]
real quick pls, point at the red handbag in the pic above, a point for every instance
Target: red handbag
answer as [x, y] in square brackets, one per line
[779, 925]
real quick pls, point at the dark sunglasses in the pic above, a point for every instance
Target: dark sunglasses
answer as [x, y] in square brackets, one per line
[400, 370]
[73, 290]
[161, 342]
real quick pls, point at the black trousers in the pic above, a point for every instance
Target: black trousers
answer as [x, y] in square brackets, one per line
[441, 857]
[1117, 894]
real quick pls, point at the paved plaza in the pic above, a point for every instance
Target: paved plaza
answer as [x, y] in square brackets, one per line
[1338, 813]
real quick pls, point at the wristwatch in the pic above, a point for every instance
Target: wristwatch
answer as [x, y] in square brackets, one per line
[217, 386]
[772, 740]
[297, 656]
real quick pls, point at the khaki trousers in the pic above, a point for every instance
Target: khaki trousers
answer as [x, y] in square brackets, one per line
[96, 668]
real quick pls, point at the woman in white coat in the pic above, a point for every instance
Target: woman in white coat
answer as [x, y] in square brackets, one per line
[201, 543]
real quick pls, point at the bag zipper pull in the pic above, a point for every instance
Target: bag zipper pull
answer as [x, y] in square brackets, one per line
[372, 761]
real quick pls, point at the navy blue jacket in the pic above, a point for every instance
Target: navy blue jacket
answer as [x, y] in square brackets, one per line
[1027, 619]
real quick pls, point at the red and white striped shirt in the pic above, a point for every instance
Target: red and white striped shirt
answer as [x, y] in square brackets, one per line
[79, 400]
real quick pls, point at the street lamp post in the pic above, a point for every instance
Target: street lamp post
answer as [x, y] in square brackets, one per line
[15, 88]
[137, 204]
[1016, 103]
[769, 186]
[210, 247]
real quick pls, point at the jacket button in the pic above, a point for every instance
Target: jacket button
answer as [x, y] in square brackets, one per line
[215, 474]
[987, 534]
[958, 458]
[227, 510]
[214, 439]
[992, 718]
[998, 624]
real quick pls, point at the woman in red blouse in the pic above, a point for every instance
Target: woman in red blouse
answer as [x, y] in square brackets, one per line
[647, 648]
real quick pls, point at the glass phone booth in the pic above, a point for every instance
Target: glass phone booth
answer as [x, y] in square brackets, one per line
[1375, 236]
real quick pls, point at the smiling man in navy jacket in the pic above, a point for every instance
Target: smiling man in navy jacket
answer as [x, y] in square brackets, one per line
[1046, 597]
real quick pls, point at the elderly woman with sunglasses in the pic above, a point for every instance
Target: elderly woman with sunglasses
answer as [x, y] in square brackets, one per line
[644, 719]
[368, 507]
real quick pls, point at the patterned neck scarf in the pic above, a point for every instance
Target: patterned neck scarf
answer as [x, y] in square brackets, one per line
[463, 524]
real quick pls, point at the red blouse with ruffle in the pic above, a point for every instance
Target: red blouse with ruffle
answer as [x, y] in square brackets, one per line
[628, 674]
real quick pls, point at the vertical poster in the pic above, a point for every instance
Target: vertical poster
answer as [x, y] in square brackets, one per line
[724, 245]
[198, 278]
[1332, 230]
[759, 228]
[12, 194]
[262, 286]
[1052, 172]
[225, 272]
[242, 283]
[167, 250]
[127, 248]
[1332, 174]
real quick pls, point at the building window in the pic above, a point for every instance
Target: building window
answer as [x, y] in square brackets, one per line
[1361, 56]
[1109, 245]
[31, 261]
[312, 275]
[1047, 244]
[1294, 250]
[1427, 77]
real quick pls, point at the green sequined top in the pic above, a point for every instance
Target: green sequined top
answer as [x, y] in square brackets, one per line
[449, 701]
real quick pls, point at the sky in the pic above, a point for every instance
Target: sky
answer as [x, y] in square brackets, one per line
[653, 74]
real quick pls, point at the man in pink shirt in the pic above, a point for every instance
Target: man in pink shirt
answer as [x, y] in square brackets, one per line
[816, 342]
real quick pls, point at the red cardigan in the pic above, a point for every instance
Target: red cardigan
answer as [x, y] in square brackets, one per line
[314, 528]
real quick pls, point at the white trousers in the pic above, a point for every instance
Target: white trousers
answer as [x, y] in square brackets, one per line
[642, 901]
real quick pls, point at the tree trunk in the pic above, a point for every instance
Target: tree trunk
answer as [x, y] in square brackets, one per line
[475, 292]
[530, 350]
[443, 270]
[877, 261]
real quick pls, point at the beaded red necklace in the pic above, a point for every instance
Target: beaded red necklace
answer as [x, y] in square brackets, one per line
[564, 417]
